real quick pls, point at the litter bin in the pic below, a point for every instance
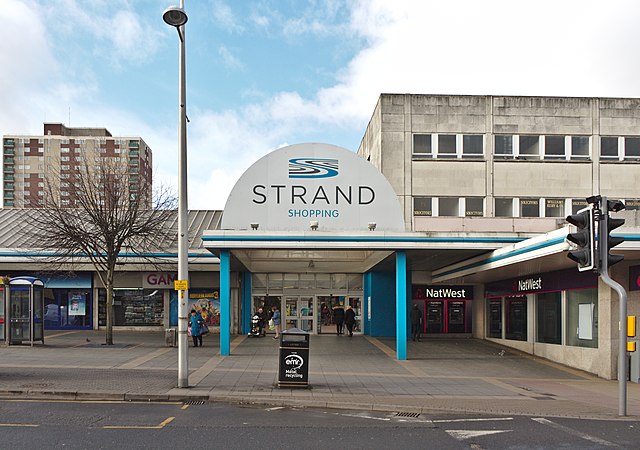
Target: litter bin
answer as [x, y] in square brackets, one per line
[171, 337]
[293, 357]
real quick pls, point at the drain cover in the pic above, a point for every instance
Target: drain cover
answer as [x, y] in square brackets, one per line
[194, 403]
[407, 414]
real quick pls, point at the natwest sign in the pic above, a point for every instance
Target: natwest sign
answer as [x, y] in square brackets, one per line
[155, 280]
[444, 292]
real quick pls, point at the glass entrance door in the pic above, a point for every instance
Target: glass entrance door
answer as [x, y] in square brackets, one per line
[299, 312]
[325, 312]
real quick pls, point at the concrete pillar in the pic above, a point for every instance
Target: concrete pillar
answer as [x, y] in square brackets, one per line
[401, 305]
[225, 303]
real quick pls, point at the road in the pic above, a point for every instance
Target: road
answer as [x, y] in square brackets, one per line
[105, 425]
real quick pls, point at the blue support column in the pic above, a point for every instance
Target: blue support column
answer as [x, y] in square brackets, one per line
[401, 305]
[246, 302]
[225, 303]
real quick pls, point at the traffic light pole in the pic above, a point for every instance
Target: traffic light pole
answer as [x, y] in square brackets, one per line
[603, 247]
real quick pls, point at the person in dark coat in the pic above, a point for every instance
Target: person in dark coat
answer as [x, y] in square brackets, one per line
[350, 320]
[416, 322]
[262, 321]
[338, 318]
[195, 323]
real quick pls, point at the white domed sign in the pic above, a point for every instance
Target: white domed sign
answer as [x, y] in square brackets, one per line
[313, 185]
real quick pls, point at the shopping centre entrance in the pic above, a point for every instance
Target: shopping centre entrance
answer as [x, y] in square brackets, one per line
[309, 301]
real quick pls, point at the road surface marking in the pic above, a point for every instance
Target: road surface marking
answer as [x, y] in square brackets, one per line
[472, 420]
[18, 425]
[141, 427]
[106, 402]
[573, 432]
[468, 434]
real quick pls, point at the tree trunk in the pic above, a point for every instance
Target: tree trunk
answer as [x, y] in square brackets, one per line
[109, 288]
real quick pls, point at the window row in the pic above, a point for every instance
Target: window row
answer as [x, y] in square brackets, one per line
[508, 318]
[524, 147]
[503, 206]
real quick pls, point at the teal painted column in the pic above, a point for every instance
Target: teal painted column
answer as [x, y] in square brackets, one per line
[225, 303]
[401, 305]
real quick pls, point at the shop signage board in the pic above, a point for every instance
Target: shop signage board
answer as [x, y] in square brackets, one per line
[319, 185]
[158, 280]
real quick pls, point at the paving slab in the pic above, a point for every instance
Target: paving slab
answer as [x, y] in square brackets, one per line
[457, 375]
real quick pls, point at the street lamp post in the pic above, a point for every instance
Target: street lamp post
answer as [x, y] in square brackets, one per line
[176, 17]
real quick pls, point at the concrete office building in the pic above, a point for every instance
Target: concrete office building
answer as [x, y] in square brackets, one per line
[516, 166]
[30, 161]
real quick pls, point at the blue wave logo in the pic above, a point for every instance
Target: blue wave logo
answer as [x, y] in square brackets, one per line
[313, 168]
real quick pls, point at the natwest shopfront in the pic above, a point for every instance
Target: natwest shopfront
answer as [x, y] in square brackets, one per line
[446, 309]
[548, 309]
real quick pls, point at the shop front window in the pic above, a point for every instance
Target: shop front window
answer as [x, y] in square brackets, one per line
[67, 308]
[516, 318]
[549, 320]
[133, 307]
[582, 318]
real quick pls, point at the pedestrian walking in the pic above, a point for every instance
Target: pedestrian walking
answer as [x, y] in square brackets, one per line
[416, 322]
[338, 318]
[195, 324]
[275, 317]
[350, 320]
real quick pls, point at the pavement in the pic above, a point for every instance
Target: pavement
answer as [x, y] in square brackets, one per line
[456, 375]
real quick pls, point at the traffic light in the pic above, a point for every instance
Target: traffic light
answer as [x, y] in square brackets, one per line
[609, 242]
[584, 238]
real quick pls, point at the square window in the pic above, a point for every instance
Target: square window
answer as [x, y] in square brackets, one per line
[472, 146]
[554, 207]
[579, 146]
[503, 207]
[446, 146]
[422, 206]
[448, 206]
[632, 148]
[632, 204]
[554, 147]
[609, 147]
[577, 205]
[529, 147]
[530, 207]
[474, 207]
[422, 144]
[503, 146]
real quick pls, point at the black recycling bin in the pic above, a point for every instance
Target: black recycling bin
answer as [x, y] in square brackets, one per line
[293, 358]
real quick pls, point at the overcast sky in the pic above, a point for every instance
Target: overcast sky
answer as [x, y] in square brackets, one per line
[267, 73]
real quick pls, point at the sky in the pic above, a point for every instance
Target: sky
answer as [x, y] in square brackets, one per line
[268, 73]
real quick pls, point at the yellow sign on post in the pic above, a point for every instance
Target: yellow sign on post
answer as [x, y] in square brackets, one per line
[631, 326]
[181, 285]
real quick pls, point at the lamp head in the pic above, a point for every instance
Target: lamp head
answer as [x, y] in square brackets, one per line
[174, 16]
[372, 226]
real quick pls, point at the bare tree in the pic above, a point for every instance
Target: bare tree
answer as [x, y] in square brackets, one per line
[101, 214]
